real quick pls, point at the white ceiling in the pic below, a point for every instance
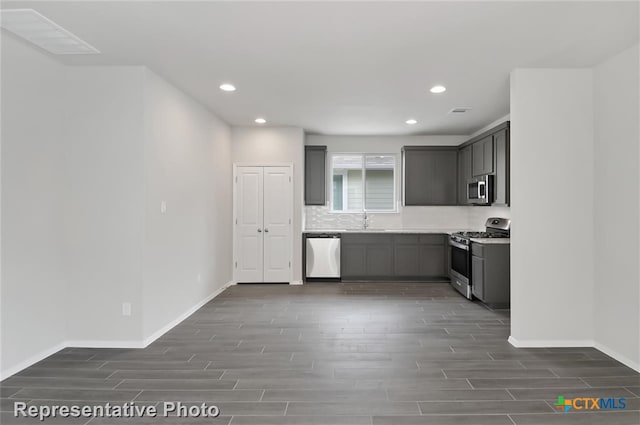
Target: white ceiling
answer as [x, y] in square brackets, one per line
[348, 67]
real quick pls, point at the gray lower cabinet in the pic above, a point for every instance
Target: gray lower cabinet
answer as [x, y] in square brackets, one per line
[490, 270]
[477, 276]
[430, 175]
[315, 175]
[367, 256]
[353, 259]
[379, 260]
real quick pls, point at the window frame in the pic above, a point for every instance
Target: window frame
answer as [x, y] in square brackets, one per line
[345, 180]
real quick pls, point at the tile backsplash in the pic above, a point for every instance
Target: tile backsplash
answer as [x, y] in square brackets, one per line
[427, 218]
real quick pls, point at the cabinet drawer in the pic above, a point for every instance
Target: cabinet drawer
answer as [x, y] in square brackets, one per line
[477, 250]
[366, 238]
[406, 239]
[433, 239]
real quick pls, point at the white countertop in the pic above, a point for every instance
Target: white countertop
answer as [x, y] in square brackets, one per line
[420, 231]
[496, 241]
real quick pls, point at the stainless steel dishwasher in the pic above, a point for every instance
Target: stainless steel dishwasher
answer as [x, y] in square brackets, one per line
[322, 253]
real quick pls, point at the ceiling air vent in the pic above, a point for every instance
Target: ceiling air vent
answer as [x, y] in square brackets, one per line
[43, 32]
[460, 110]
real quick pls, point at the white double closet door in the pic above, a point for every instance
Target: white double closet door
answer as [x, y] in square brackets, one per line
[263, 229]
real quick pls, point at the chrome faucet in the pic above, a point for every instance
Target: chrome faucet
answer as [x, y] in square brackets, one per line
[365, 221]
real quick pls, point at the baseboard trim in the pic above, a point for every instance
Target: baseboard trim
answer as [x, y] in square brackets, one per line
[617, 356]
[576, 343]
[31, 361]
[550, 343]
[87, 343]
[296, 282]
[113, 343]
[163, 330]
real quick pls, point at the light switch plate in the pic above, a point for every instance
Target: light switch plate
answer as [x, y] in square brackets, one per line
[126, 309]
[163, 207]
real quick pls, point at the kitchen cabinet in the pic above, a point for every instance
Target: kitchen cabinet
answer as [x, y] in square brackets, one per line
[388, 256]
[482, 156]
[315, 168]
[366, 256]
[352, 259]
[501, 175]
[429, 175]
[464, 173]
[477, 277]
[490, 270]
[487, 153]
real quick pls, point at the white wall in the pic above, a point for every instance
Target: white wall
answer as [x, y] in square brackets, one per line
[87, 154]
[552, 207]
[433, 218]
[104, 201]
[276, 144]
[187, 250]
[617, 213]
[33, 280]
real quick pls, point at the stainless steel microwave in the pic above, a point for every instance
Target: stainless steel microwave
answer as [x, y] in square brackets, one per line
[480, 190]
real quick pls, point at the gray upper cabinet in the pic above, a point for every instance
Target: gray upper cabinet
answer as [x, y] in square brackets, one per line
[464, 173]
[483, 156]
[315, 192]
[430, 175]
[501, 179]
[487, 153]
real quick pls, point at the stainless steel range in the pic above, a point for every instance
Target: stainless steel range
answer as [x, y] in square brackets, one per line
[460, 255]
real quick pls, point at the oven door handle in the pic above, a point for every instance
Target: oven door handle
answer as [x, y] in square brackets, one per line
[482, 190]
[459, 245]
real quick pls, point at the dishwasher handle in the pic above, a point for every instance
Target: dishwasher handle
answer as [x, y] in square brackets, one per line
[323, 235]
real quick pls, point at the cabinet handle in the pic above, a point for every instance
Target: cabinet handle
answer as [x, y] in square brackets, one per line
[259, 230]
[266, 230]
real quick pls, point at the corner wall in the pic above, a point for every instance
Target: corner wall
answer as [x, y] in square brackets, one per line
[187, 165]
[86, 154]
[616, 203]
[103, 201]
[34, 284]
[552, 199]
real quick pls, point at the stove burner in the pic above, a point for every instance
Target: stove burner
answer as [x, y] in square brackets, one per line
[481, 235]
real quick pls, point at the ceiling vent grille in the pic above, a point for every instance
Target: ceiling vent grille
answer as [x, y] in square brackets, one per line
[460, 110]
[43, 32]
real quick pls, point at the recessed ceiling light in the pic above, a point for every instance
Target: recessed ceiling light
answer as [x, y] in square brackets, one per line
[438, 89]
[227, 87]
[411, 122]
[260, 121]
[43, 32]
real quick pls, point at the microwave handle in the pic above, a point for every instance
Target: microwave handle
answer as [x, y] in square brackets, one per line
[482, 194]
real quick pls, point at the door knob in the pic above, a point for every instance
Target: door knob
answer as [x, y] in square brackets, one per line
[266, 230]
[259, 230]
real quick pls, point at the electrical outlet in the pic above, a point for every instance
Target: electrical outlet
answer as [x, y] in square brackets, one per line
[163, 207]
[126, 309]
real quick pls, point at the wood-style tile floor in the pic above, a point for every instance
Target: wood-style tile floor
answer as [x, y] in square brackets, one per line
[336, 354]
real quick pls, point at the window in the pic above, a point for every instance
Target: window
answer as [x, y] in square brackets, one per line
[363, 182]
